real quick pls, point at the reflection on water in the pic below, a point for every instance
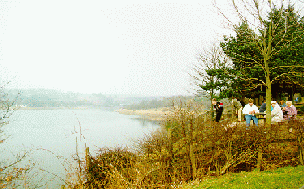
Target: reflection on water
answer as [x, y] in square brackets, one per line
[50, 138]
[146, 122]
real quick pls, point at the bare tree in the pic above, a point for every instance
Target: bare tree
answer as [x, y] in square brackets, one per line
[8, 105]
[8, 171]
[207, 73]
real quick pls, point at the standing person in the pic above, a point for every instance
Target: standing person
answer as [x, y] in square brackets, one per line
[239, 111]
[236, 105]
[250, 110]
[218, 107]
[276, 113]
[291, 111]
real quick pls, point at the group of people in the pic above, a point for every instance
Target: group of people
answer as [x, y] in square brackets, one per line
[278, 113]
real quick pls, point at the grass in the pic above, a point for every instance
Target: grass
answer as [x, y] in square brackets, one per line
[287, 177]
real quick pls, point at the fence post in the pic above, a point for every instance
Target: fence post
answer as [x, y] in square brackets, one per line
[300, 149]
[88, 162]
[240, 114]
[87, 157]
[259, 163]
[205, 116]
[169, 161]
[193, 160]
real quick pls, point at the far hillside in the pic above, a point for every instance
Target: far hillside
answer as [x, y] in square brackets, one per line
[55, 98]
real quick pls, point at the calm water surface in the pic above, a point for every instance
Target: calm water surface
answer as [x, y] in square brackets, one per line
[49, 137]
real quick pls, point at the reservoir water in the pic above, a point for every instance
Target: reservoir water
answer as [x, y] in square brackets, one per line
[48, 137]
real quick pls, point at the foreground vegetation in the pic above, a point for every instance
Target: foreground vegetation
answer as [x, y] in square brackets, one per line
[187, 148]
[287, 177]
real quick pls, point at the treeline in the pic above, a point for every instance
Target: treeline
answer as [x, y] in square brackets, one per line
[160, 102]
[56, 98]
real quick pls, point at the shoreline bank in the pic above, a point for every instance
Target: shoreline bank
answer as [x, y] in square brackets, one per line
[152, 114]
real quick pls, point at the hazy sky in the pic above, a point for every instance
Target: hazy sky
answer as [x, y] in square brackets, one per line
[97, 46]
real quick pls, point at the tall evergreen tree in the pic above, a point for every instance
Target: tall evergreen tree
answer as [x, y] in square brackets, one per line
[246, 73]
[287, 62]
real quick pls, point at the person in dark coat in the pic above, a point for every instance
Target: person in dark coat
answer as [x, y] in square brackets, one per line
[219, 107]
[262, 108]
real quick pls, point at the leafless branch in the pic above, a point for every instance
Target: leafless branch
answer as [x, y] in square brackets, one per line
[15, 162]
[221, 12]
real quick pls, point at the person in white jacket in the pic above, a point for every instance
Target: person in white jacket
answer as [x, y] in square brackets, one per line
[249, 111]
[276, 113]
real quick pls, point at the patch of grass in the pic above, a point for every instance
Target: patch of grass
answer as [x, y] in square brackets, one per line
[287, 177]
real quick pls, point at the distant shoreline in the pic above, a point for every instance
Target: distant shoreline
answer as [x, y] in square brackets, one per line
[152, 114]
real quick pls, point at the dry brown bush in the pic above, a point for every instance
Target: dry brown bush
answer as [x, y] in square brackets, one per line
[188, 148]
